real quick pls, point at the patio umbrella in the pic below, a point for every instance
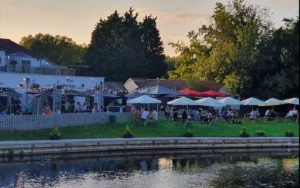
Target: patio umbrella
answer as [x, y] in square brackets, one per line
[273, 102]
[184, 101]
[252, 102]
[294, 101]
[144, 99]
[208, 101]
[190, 92]
[212, 93]
[229, 101]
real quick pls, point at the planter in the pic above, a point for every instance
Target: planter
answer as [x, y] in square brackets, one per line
[54, 137]
[127, 136]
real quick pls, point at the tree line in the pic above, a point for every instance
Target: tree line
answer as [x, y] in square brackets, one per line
[239, 48]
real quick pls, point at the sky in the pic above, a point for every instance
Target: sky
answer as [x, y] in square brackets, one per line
[77, 18]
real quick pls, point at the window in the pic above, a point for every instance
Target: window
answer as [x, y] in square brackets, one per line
[25, 65]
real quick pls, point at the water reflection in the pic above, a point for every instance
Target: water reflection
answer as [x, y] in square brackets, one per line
[153, 171]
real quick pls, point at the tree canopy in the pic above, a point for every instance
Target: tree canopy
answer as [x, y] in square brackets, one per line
[121, 47]
[241, 49]
[59, 49]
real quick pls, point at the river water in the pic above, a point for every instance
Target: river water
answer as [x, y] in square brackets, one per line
[155, 169]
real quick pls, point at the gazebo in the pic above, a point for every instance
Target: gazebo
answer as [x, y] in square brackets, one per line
[144, 99]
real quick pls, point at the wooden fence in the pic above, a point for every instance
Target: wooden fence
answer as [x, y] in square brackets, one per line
[33, 122]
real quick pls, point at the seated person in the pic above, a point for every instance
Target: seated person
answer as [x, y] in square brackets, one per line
[208, 118]
[268, 114]
[290, 114]
[225, 115]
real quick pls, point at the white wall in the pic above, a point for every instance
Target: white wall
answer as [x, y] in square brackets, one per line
[2, 58]
[12, 80]
[6, 59]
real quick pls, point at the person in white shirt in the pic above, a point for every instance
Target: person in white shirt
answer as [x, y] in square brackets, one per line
[144, 117]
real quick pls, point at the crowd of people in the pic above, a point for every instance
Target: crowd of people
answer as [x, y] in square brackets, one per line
[145, 116]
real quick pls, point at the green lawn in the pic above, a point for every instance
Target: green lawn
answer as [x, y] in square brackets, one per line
[163, 129]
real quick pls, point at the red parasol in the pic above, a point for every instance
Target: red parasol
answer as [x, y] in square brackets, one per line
[190, 92]
[212, 93]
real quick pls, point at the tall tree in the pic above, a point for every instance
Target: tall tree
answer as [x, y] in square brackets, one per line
[280, 62]
[121, 47]
[153, 48]
[59, 49]
[226, 50]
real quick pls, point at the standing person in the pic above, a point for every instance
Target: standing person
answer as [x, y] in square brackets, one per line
[144, 117]
[175, 114]
[253, 115]
[209, 117]
[95, 108]
[184, 115]
[77, 107]
[84, 107]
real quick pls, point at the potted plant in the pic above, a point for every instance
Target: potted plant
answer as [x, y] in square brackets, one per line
[55, 134]
[244, 133]
[289, 133]
[127, 132]
[260, 133]
[188, 133]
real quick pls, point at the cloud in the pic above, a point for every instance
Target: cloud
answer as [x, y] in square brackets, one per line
[173, 15]
[288, 2]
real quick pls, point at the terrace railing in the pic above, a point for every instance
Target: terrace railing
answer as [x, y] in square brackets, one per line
[39, 70]
[34, 122]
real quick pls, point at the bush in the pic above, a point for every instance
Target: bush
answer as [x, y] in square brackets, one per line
[127, 132]
[244, 133]
[289, 133]
[55, 134]
[188, 133]
[260, 133]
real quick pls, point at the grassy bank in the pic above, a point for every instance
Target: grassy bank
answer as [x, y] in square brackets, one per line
[162, 129]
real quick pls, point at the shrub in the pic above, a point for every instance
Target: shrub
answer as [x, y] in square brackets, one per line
[127, 132]
[188, 133]
[55, 134]
[289, 133]
[244, 133]
[260, 133]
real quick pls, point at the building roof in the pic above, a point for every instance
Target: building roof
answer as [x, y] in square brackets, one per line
[177, 84]
[115, 86]
[11, 47]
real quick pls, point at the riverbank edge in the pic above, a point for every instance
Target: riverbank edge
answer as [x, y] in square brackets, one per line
[64, 146]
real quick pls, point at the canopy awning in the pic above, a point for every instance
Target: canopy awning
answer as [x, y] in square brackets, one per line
[229, 101]
[212, 93]
[273, 102]
[252, 102]
[183, 101]
[144, 99]
[294, 101]
[191, 93]
[208, 101]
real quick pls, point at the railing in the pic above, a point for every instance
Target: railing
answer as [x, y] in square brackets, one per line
[39, 70]
[34, 122]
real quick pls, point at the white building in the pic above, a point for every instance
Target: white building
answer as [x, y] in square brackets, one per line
[21, 69]
[16, 58]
